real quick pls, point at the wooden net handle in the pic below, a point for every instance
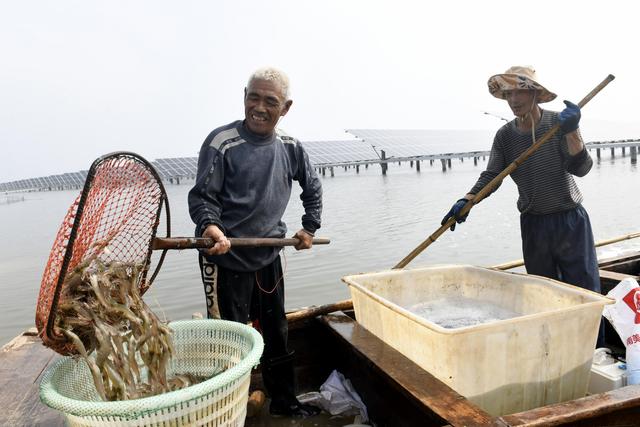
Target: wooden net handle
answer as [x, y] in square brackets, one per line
[202, 242]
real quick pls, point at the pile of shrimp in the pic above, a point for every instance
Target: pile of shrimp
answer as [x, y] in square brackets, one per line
[101, 312]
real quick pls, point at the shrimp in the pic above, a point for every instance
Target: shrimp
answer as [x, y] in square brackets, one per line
[93, 368]
[101, 308]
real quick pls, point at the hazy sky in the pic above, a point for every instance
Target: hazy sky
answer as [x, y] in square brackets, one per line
[83, 78]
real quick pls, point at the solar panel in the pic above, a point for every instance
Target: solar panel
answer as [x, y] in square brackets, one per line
[55, 180]
[420, 142]
[176, 167]
[339, 151]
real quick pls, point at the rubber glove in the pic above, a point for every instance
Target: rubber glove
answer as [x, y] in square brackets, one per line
[455, 212]
[569, 118]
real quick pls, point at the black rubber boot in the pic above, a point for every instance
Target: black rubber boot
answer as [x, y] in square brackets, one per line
[278, 376]
[295, 409]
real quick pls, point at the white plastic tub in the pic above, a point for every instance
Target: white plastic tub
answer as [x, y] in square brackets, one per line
[541, 356]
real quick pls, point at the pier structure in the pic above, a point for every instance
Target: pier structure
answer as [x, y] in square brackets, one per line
[632, 144]
[445, 160]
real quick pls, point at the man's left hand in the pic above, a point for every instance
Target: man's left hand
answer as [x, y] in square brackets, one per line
[305, 239]
[569, 118]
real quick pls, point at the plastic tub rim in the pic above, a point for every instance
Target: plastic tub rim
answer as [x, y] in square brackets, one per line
[599, 299]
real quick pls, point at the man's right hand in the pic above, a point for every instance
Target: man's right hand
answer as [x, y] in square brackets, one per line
[222, 245]
[455, 212]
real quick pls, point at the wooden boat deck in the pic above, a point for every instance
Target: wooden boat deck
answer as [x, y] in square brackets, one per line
[437, 404]
[387, 379]
[613, 270]
[22, 363]
[396, 391]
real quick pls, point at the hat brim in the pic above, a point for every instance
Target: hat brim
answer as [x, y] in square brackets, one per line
[500, 83]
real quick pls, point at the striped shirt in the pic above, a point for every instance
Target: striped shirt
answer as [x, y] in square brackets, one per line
[545, 182]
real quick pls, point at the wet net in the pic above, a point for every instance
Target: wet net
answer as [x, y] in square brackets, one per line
[115, 218]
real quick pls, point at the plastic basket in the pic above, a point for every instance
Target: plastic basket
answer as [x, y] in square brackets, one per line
[202, 348]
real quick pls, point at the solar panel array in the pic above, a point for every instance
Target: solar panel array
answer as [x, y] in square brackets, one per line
[51, 182]
[366, 146]
[342, 151]
[420, 142]
[183, 167]
[320, 153]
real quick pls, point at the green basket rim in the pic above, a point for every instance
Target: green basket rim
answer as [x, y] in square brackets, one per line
[137, 407]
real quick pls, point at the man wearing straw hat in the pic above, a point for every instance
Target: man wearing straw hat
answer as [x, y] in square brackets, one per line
[243, 184]
[557, 241]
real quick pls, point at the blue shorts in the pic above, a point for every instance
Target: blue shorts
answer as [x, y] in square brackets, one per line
[560, 246]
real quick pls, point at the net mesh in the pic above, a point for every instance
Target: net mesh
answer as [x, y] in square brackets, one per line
[115, 218]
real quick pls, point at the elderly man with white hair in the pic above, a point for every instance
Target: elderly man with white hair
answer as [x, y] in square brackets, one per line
[557, 241]
[243, 185]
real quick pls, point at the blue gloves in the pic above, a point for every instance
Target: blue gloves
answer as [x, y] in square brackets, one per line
[455, 212]
[569, 118]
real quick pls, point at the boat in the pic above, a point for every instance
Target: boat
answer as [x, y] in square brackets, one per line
[395, 390]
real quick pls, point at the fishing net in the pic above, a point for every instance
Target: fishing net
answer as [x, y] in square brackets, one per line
[114, 219]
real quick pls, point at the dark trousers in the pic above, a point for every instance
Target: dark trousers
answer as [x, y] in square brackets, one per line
[256, 297]
[560, 246]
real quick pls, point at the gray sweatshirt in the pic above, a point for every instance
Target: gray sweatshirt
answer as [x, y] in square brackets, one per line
[545, 182]
[243, 186]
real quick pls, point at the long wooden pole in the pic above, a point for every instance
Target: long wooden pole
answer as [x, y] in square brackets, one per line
[160, 243]
[487, 189]
[520, 262]
[309, 312]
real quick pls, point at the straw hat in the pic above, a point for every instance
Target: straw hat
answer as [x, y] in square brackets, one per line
[518, 77]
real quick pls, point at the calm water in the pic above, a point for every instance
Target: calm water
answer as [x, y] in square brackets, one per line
[372, 220]
[460, 312]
